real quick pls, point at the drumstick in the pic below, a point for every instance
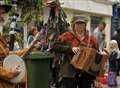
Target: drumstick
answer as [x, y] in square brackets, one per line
[32, 43]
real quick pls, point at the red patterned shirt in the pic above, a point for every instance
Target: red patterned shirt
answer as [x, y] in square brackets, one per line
[70, 38]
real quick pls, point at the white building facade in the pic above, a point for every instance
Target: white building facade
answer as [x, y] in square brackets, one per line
[94, 10]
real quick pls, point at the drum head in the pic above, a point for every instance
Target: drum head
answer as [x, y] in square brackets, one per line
[11, 62]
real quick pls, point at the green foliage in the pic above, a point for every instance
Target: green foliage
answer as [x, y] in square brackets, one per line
[31, 10]
[8, 1]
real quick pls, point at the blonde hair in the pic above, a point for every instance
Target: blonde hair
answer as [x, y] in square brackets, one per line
[115, 47]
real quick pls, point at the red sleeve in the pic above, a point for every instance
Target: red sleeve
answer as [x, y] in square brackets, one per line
[69, 38]
[65, 37]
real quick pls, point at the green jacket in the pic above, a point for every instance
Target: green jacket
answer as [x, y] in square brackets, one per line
[66, 54]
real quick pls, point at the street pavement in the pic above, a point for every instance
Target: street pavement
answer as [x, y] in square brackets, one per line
[99, 85]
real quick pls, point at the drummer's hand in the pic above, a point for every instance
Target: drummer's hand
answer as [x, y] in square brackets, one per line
[15, 71]
[76, 50]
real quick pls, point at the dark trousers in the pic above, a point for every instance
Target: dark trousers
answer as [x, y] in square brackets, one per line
[68, 83]
[118, 66]
[84, 80]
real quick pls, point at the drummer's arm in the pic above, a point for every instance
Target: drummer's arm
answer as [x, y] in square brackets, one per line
[19, 52]
[7, 74]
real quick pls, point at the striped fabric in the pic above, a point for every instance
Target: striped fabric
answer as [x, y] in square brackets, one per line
[5, 84]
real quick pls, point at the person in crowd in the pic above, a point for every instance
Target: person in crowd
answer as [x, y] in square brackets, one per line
[117, 38]
[16, 44]
[113, 54]
[33, 31]
[98, 33]
[68, 45]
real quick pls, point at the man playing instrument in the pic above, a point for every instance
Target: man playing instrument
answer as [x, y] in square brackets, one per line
[68, 45]
[5, 75]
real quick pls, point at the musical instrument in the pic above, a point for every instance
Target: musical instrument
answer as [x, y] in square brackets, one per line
[89, 60]
[37, 37]
[14, 61]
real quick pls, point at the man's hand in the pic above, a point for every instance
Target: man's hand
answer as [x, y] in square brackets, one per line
[16, 71]
[76, 50]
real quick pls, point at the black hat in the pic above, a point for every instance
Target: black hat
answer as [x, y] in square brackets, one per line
[5, 6]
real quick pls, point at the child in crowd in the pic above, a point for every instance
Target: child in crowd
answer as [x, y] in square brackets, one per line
[114, 54]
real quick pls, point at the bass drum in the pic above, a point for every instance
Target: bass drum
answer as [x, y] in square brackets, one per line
[13, 61]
